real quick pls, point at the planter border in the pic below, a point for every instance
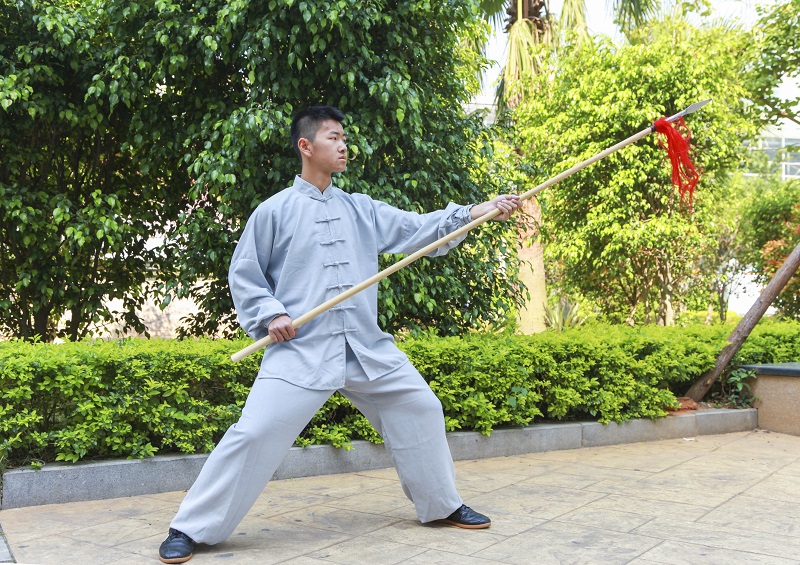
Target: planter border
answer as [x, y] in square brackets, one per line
[98, 480]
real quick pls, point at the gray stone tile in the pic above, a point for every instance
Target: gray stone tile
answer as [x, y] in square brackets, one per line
[440, 537]
[680, 553]
[722, 478]
[603, 474]
[524, 466]
[268, 542]
[536, 501]
[651, 458]
[791, 470]
[367, 551]
[768, 443]
[433, 557]
[137, 560]
[487, 481]
[24, 524]
[380, 504]
[117, 532]
[512, 524]
[558, 544]
[708, 485]
[721, 537]
[563, 480]
[276, 502]
[336, 519]
[776, 487]
[604, 519]
[61, 549]
[305, 560]
[750, 513]
[650, 509]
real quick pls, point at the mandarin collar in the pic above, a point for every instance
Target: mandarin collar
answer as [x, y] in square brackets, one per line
[307, 189]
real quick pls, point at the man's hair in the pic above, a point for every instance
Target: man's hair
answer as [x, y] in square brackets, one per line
[306, 123]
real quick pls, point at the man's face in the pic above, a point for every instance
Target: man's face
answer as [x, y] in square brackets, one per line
[329, 147]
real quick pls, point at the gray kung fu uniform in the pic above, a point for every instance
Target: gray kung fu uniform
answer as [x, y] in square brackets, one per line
[300, 248]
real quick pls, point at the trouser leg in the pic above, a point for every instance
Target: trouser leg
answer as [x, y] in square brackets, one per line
[408, 415]
[245, 459]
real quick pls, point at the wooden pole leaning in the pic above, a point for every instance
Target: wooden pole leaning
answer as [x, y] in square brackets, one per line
[325, 306]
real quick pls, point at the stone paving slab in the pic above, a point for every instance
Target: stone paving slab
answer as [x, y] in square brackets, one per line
[706, 500]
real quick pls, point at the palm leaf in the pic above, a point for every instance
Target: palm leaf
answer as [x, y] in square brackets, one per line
[633, 13]
[494, 12]
[573, 17]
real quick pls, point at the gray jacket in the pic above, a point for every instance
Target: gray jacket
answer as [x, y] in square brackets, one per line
[302, 247]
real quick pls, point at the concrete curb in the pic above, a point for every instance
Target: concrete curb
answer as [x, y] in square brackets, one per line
[5, 551]
[60, 483]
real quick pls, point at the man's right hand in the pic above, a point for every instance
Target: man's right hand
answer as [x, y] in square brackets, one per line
[281, 329]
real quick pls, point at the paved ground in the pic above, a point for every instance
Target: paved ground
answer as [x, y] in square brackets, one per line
[724, 499]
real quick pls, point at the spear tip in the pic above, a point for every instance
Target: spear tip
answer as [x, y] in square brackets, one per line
[690, 110]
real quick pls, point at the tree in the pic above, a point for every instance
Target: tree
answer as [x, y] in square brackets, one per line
[534, 30]
[770, 230]
[718, 271]
[198, 96]
[534, 33]
[776, 52]
[616, 232]
[785, 271]
[73, 228]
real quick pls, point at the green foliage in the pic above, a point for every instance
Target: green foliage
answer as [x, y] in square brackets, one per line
[73, 226]
[134, 398]
[232, 73]
[130, 398]
[776, 52]
[124, 119]
[717, 272]
[617, 232]
[771, 341]
[562, 312]
[770, 230]
[734, 390]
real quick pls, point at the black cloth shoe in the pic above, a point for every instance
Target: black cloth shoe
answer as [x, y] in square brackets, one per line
[466, 517]
[177, 548]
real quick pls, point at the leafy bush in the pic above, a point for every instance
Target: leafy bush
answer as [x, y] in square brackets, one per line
[562, 312]
[133, 398]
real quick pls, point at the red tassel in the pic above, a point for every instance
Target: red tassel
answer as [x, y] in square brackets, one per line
[684, 175]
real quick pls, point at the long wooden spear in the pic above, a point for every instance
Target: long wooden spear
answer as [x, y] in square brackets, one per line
[325, 306]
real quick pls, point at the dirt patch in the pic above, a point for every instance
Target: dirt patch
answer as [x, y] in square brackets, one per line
[685, 403]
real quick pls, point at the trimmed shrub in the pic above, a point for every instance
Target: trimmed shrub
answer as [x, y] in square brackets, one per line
[134, 398]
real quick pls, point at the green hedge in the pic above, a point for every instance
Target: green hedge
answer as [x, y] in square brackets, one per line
[134, 398]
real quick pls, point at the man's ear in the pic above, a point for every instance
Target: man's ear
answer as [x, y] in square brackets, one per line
[305, 146]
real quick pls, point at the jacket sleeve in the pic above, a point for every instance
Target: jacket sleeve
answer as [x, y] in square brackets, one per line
[251, 289]
[406, 232]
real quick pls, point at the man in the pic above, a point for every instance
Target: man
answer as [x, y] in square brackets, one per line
[300, 248]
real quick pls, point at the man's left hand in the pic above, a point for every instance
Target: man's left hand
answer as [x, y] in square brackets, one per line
[507, 203]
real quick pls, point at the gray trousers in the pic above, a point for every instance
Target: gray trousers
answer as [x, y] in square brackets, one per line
[399, 405]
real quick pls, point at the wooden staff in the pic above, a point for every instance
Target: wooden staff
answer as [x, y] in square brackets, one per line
[325, 306]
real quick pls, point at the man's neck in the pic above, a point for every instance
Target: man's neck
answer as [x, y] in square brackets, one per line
[318, 179]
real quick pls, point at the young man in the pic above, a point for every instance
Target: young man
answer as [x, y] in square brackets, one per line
[300, 248]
